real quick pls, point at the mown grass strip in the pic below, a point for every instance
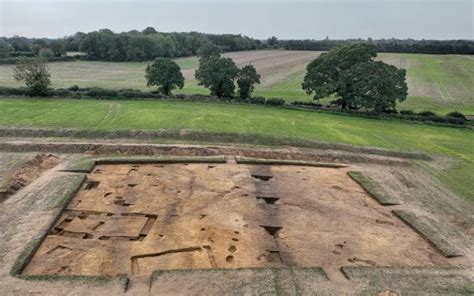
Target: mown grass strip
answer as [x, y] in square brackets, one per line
[100, 280]
[373, 189]
[250, 160]
[434, 232]
[412, 280]
[255, 281]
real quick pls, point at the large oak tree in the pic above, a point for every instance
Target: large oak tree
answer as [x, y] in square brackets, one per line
[165, 74]
[217, 74]
[350, 74]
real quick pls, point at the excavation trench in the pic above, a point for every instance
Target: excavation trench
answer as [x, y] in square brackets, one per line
[135, 219]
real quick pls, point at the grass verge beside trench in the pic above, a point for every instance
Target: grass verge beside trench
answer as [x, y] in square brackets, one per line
[251, 281]
[434, 232]
[59, 191]
[251, 120]
[373, 189]
[412, 280]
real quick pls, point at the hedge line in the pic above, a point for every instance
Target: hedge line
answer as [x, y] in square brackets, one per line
[14, 60]
[453, 118]
[103, 93]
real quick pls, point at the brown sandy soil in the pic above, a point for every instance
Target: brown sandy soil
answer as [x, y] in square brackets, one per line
[10, 161]
[134, 219]
[26, 173]
[316, 215]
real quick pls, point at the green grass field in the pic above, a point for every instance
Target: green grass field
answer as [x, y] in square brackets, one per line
[440, 83]
[147, 115]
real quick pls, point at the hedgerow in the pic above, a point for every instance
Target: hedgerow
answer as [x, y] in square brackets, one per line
[76, 92]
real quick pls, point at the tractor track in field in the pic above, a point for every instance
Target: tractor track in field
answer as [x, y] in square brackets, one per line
[113, 110]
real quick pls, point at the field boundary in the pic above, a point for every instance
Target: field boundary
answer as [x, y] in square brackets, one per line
[87, 164]
[182, 150]
[201, 136]
[249, 160]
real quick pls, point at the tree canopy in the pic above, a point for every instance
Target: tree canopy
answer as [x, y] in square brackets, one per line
[165, 74]
[208, 49]
[106, 45]
[150, 44]
[375, 86]
[34, 73]
[385, 45]
[248, 77]
[5, 49]
[350, 74]
[149, 30]
[218, 74]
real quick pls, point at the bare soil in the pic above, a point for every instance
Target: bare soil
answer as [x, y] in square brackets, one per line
[274, 66]
[135, 219]
[26, 173]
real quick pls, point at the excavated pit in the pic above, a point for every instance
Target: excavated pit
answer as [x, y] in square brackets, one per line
[135, 219]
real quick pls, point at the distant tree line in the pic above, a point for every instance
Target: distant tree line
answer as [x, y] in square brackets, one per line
[148, 44]
[27, 47]
[106, 45]
[381, 45]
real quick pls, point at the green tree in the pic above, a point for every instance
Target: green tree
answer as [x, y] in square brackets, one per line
[218, 74]
[34, 73]
[208, 49]
[72, 43]
[5, 49]
[328, 75]
[165, 74]
[248, 76]
[19, 43]
[272, 41]
[45, 53]
[149, 30]
[375, 86]
[58, 47]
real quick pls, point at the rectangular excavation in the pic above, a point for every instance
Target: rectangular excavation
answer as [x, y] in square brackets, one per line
[135, 219]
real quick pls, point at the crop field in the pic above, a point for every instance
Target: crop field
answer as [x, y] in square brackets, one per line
[440, 83]
[254, 120]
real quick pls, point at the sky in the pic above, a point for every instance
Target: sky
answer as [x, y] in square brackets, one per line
[304, 19]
